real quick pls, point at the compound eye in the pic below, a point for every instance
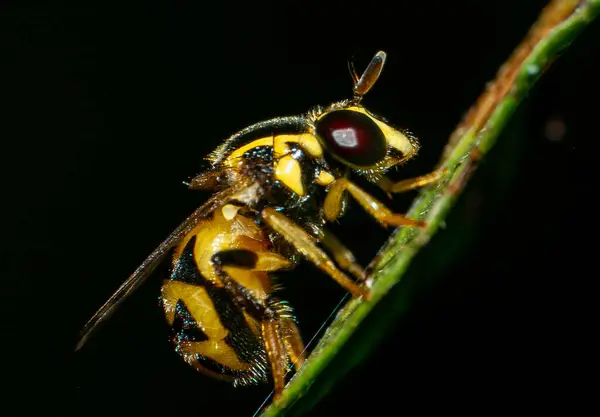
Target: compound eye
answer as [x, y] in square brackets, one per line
[352, 137]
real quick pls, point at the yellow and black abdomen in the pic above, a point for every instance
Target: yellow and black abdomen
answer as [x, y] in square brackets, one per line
[211, 332]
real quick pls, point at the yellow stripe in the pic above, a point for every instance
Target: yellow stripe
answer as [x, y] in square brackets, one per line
[306, 141]
[234, 157]
[202, 309]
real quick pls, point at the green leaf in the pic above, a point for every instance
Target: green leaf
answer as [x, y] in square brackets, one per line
[393, 288]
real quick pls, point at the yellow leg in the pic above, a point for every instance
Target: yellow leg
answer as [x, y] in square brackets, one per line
[293, 341]
[280, 335]
[307, 246]
[409, 184]
[342, 255]
[276, 353]
[373, 206]
[283, 345]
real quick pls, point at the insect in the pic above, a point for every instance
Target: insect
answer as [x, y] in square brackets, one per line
[276, 184]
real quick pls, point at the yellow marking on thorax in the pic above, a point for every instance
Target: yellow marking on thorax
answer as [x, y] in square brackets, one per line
[235, 156]
[287, 169]
[324, 178]
[306, 141]
[280, 147]
[309, 143]
[395, 138]
[289, 172]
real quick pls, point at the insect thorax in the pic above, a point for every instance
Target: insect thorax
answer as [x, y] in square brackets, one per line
[281, 161]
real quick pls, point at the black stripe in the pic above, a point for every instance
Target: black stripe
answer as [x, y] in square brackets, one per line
[241, 338]
[236, 257]
[185, 269]
[185, 326]
[263, 154]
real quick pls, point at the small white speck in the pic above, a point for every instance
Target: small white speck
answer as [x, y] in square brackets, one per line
[533, 69]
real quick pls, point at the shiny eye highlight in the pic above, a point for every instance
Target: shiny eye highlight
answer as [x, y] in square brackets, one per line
[352, 137]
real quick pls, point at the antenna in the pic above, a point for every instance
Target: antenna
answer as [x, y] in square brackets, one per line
[363, 84]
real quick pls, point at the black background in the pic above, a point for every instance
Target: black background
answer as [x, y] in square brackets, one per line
[107, 109]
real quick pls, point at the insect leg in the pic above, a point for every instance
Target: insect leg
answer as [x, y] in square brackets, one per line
[342, 255]
[276, 352]
[293, 341]
[389, 186]
[307, 246]
[241, 296]
[282, 341]
[373, 206]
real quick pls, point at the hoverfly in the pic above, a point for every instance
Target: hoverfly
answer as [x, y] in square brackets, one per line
[276, 184]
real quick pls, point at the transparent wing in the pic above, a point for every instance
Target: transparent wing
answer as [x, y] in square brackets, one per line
[140, 275]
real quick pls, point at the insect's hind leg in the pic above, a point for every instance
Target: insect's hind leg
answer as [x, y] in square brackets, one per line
[276, 353]
[289, 333]
[280, 334]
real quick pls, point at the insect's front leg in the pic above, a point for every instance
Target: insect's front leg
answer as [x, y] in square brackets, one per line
[307, 246]
[342, 255]
[389, 186]
[333, 204]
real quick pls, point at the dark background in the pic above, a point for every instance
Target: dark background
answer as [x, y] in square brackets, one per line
[107, 110]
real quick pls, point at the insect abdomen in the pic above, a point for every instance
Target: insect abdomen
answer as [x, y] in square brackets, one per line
[210, 332]
[211, 335]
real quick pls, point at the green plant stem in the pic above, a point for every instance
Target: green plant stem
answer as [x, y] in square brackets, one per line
[557, 27]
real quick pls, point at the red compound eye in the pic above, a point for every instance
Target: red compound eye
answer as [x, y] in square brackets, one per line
[352, 137]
